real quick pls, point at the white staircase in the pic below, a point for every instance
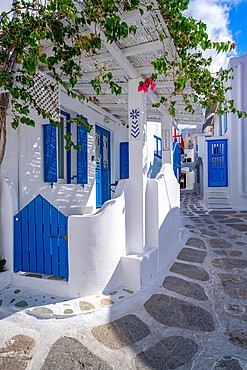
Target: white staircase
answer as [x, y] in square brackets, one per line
[218, 198]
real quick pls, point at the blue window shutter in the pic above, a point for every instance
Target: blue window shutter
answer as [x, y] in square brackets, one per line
[50, 153]
[82, 177]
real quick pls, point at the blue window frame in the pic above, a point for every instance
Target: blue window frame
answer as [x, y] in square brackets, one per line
[225, 122]
[220, 123]
[57, 160]
[158, 147]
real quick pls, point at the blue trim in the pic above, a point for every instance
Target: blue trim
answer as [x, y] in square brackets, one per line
[68, 129]
[50, 153]
[158, 150]
[103, 190]
[39, 244]
[82, 155]
[124, 160]
[217, 163]
[177, 160]
[220, 130]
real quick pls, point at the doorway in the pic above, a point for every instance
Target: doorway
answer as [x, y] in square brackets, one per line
[103, 165]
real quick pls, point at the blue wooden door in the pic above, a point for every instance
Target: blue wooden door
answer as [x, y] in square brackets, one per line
[41, 239]
[217, 163]
[124, 160]
[103, 165]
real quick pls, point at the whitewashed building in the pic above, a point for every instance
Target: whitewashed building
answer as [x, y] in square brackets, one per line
[49, 197]
[224, 152]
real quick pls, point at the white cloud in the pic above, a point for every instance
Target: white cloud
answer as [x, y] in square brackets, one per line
[215, 14]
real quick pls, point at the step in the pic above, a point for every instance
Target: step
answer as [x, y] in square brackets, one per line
[218, 201]
[218, 196]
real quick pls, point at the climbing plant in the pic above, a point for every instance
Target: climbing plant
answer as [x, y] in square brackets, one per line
[50, 35]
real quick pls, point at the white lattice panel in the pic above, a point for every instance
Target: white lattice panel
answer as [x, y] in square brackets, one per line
[47, 99]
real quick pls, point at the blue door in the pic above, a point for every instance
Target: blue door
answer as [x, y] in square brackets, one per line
[124, 160]
[103, 165]
[217, 163]
[41, 239]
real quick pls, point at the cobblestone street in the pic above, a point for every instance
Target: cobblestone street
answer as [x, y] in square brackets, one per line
[194, 316]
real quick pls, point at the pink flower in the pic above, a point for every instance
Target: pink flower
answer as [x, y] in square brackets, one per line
[145, 84]
[149, 80]
[145, 89]
[153, 86]
[140, 88]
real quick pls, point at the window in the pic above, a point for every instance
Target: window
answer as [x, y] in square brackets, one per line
[61, 165]
[158, 147]
[225, 122]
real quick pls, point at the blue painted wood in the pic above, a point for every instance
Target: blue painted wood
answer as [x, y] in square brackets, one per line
[68, 152]
[47, 240]
[31, 236]
[39, 233]
[63, 246]
[50, 153]
[124, 160]
[54, 241]
[82, 155]
[217, 163]
[25, 247]
[17, 243]
[104, 168]
[34, 249]
[158, 150]
[177, 160]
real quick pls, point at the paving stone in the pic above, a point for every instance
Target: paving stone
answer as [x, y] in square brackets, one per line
[17, 352]
[175, 312]
[238, 227]
[43, 311]
[68, 311]
[170, 353]
[234, 286]
[229, 263]
[21, 304]
[192, 255]
[34, 275]
[190, 227]
[68, 353]
[107, 302]
[236, 310]
[238, 338]
[219, 243]
[184, 287]
[196, 243]
[231, 220]
[122, 332]
[86, 306]
[191, 271]
[228, 363]
[206, 232]
[223, 212]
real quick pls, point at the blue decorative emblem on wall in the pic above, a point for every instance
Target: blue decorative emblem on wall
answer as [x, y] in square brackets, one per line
[135, 124]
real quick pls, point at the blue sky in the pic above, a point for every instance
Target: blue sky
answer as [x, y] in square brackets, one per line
[226, 20]
[238, 26]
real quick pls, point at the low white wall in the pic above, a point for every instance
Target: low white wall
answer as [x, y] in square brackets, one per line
[163, 215]
[96, 244]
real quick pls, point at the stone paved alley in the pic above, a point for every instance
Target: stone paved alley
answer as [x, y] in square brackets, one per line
[193, 317]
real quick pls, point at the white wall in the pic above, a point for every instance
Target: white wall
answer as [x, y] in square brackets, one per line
[96, 244]
[24, 166]
[153, 163]
[237, 130]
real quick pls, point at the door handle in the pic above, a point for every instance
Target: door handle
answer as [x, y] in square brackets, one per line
[65, 237]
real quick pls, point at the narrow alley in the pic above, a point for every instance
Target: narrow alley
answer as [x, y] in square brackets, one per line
[193, 317]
